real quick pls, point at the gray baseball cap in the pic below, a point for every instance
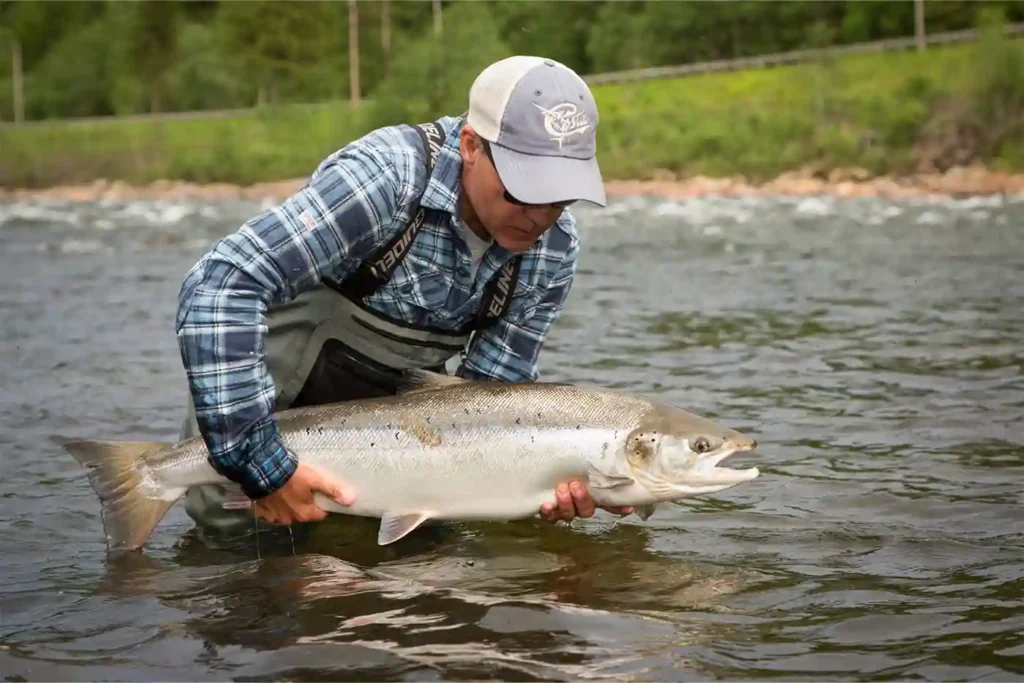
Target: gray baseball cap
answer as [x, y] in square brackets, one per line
[541, 120]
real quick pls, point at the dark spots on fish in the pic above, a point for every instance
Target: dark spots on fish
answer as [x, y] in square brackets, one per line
[638, 446]
[519, 420]
[467, 410]
[533, 439]
[604, 448]
[453, 425]
[428, 419]
[578, 427]
[396, 435]
[372, 444]
[538, 415]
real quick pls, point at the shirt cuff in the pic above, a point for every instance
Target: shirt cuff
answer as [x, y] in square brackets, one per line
[268, 468]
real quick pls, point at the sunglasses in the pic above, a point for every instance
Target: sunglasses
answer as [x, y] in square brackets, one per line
[512, 200]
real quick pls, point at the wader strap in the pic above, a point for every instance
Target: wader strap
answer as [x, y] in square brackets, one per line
[498, 294]
[496, 301]
[377, 271]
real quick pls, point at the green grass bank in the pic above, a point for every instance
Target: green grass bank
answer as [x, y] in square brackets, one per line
[889, 114]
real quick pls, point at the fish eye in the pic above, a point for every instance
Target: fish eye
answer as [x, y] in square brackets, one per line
[701, 445]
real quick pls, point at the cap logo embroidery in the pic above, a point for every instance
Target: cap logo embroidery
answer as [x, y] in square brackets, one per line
[563, 121]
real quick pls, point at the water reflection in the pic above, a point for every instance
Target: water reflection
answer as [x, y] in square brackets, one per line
[527, 604]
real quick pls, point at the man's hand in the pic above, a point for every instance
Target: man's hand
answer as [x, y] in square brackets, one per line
[573, 500]
[293, 502]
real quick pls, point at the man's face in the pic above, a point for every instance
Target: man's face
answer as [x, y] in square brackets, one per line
[513, 225]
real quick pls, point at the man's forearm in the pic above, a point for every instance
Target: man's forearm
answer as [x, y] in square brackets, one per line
[328, 226]
[220, 339]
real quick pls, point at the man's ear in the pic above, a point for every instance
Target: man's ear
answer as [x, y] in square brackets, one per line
[469, 145]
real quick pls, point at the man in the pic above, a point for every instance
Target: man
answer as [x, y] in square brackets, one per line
[406, 247]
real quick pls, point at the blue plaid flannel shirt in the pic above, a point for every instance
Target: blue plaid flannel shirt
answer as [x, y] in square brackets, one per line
[356, 199]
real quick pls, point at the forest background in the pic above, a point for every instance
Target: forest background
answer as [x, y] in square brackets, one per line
[270, 88]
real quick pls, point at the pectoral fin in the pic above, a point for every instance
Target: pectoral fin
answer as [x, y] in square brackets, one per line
[394, 526]
[644, 512]
[600, 480]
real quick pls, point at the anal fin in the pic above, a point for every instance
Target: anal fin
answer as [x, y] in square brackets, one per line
[395, 526]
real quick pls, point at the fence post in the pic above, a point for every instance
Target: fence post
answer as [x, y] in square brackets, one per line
[17, 81]
[919, 24]
[353, 51]
[385, 30]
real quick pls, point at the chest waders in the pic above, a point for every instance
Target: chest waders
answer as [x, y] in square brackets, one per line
[326, 345]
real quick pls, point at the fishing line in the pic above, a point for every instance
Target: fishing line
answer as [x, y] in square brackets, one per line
[256, 521]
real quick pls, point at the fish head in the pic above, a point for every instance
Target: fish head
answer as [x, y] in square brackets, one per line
[674, 454]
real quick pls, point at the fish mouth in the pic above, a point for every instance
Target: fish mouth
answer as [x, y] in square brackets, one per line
[710, 466]
[707, 475]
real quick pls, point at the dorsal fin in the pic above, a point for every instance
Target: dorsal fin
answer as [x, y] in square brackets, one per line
[416, 380]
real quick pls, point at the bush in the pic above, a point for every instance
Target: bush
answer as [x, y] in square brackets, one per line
[997, 97]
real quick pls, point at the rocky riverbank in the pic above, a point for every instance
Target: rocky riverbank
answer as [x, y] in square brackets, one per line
[843, 183]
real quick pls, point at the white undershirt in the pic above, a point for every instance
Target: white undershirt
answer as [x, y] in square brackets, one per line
[477, 248]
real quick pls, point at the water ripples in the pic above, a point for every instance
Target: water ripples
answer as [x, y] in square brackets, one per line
[871, 347]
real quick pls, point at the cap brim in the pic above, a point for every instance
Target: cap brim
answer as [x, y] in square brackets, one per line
[537, 179]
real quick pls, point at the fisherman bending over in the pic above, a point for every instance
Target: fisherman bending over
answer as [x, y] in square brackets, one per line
[406, 247]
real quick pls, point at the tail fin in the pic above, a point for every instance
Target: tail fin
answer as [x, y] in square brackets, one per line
[129, 516]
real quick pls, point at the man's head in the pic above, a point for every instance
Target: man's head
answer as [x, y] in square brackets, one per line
[528, 148]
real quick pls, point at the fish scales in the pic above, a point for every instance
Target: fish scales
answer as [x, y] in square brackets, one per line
[452, 449]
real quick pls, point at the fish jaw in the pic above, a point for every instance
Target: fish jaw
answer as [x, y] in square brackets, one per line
[709, 479]
[677, 471]
[709, 471]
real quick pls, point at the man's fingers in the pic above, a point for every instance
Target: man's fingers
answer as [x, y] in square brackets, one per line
[566, 509]
[266, 514]
[583, 502]
[337, 491]
[547, 512]
[313, 513]
[571, 500]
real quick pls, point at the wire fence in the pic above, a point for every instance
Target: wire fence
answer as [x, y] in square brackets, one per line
[629, 76]
[792, 57]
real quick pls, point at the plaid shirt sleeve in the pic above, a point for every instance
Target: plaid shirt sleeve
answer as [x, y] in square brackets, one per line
[508, 350]
[329, 225]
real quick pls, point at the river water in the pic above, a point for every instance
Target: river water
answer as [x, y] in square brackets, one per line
[873, 348]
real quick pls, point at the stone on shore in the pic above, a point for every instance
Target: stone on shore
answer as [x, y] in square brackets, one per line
[842, 183]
